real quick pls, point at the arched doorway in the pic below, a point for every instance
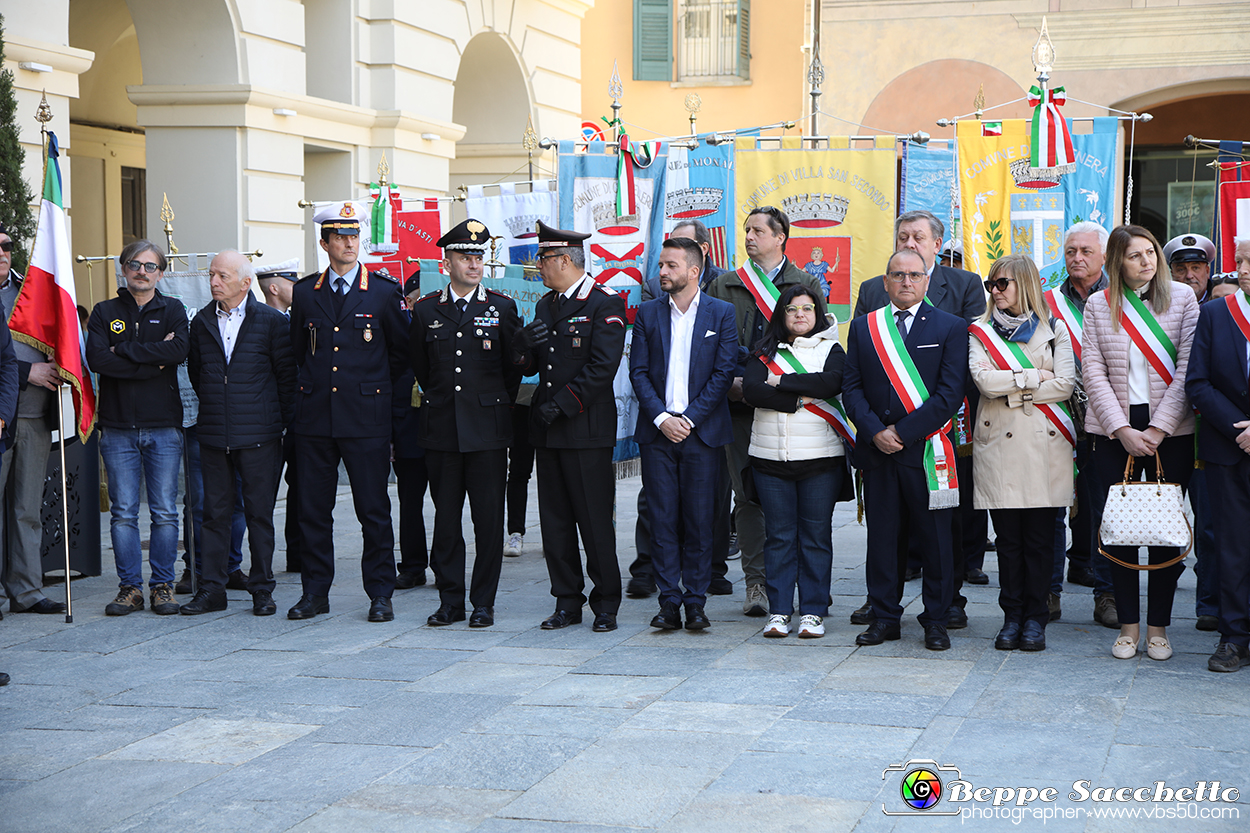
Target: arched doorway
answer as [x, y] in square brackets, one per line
[493, 102]
[916, 99]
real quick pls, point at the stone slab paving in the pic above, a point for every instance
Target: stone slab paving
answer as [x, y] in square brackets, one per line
[232, 722]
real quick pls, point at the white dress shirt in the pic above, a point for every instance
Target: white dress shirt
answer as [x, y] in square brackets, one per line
[1138, 368]
[681, 341]
[228, 323]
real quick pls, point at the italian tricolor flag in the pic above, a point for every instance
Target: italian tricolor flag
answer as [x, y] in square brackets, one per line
[45, 315]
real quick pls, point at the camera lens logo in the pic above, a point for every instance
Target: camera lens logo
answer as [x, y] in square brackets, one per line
[921, 789]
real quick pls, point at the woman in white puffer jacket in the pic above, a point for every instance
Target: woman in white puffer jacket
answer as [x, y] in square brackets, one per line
[797, 459]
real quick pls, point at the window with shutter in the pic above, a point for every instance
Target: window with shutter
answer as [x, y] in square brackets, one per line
[653, 40]
[713, 39]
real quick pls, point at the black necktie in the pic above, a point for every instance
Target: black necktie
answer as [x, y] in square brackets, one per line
[555, 306]
[340, 292]
[462, 305]
[902, 317]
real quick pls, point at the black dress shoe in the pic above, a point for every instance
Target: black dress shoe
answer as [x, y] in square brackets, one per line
[263, 604]
[604, 622]
[236, 581]
[956, 618]
[720, 587]
[976, 575]
[1207, 622]
[309, 606]
[562, 619]
[696, 619]
[445, 615]
[4, 678]
[669, 617]
[483, 617]
[381, 611]
[912, 574]
[44, 605]
[183, 587]
[935, 638]
[1080, 574]
[863, 615]
[408, 579]
[879, 632]
[205, 601]
[1008, 638]
[640, 587]
[1033, 638]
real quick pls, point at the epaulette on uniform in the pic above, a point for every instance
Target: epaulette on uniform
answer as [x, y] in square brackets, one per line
[313, 276]
[607, 290]
[428, 295]
[384, 276]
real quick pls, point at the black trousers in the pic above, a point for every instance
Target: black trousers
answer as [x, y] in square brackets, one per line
[257, 469]
[577, 493]
[480, 475]
[1026, 560]
[367, 460]
[411, 481]
[896, 500]
[520, 467]
[969, 530]
[1232, 484]
[1177, 456]
[294, 537]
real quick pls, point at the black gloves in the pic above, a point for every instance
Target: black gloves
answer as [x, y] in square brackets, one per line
[547, 413]
[533, 334]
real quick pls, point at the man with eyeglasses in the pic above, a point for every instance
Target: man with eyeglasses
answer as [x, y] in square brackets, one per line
[349, 335]
[765, 231]
[906, 372]
[22, 422]
[135, 343]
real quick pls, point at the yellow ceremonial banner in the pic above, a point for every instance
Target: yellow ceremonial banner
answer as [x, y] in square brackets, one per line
[1007, 206]
[841, 205]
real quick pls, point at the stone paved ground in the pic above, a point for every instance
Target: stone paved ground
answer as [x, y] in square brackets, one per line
[232, 722]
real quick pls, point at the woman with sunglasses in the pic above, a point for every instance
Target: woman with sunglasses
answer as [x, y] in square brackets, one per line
[1023, 365]
[1137, 339]
[797, 459]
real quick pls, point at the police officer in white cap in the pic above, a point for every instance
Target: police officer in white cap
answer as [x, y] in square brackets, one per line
[1191, 256]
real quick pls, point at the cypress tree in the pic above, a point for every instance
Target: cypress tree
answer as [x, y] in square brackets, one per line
[15, 195]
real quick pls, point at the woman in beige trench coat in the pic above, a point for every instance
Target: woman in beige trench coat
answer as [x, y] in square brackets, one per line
[1022, 363]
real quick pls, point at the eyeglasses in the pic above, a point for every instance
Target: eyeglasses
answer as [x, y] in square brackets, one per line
[998, 283]
[899, 277]
[140, 266]
[794, 309]
[6, 246]
[541, 258]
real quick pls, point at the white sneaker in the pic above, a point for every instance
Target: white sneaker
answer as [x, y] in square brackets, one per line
[811, 627]
[512, 547]
[778, 625]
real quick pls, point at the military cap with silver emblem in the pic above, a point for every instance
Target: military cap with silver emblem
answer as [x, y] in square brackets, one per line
[288, 269]
[470, 237]
[1189, 248]
[554, 238]
[339, 217]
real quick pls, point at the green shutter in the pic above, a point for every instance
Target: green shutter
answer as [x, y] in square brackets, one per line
[744, 39]
[653, 40]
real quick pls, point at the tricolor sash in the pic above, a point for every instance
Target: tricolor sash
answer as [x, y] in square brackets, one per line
[763, 290]
[1239, 308]
[1142, 326]
[830, 410]
[1066, 311]
[1009, 355]
[939, 452]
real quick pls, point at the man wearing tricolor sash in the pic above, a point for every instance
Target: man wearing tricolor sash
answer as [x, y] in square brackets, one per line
[1219, 368]
[753, 290]
[906, 372]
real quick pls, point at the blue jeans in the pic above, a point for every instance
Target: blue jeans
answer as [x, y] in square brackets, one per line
[798, 539]
[155, 455]
[193, 509]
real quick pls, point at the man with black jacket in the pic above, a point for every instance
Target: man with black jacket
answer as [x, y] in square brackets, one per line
[135, 343]
[244, 375]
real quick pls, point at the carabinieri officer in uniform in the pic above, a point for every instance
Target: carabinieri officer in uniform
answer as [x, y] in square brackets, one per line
[461, 343]
[575, 343]
[349, 331]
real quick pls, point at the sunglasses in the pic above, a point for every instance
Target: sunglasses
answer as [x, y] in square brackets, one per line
[140, 266]
[999, 283]
[6, 246]
[793, 309]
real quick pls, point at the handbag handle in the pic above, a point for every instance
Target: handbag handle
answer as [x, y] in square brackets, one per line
[1146, 567]
[1128, 469]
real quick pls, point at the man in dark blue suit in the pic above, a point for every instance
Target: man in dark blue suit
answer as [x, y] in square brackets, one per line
[683, 358]
[1219, 366]
[896, 483]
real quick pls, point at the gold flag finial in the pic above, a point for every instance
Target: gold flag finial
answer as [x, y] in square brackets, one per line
[43, 114]
[978, 103]
[167, 216]
[383, 170]
[529, 140]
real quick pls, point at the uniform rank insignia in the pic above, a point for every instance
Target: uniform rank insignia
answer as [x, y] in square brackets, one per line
[435, 324]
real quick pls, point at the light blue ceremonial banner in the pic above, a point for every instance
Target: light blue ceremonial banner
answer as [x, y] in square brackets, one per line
[1089, 191]
[701, 187]
[929, 181]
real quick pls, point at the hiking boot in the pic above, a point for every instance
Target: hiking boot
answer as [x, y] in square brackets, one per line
[1104, 611]
[163, 603]
[129, 599]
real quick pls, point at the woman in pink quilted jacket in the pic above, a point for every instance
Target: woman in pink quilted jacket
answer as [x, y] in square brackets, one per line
[1137, 337]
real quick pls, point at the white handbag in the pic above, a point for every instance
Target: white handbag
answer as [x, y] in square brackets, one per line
[1140, 513]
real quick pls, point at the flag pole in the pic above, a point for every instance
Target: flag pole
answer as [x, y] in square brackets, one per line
[43, 115]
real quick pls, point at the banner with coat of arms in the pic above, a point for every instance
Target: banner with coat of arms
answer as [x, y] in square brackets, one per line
[841, 205]
[928, 182]
[700, 186]
[1010, 207]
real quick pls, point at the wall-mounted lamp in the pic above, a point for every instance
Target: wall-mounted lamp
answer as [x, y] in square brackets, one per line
[431, 137]
[283, 111]
[31, 66]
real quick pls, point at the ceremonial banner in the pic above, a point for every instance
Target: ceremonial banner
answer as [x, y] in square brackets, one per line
[928, 182]
[1232, 205]
[1009, 207]
[841, 208]
[701, 187]
[414, 234]
[513, 216]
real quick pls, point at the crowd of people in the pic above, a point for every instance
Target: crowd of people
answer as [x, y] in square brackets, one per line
[955, 399]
